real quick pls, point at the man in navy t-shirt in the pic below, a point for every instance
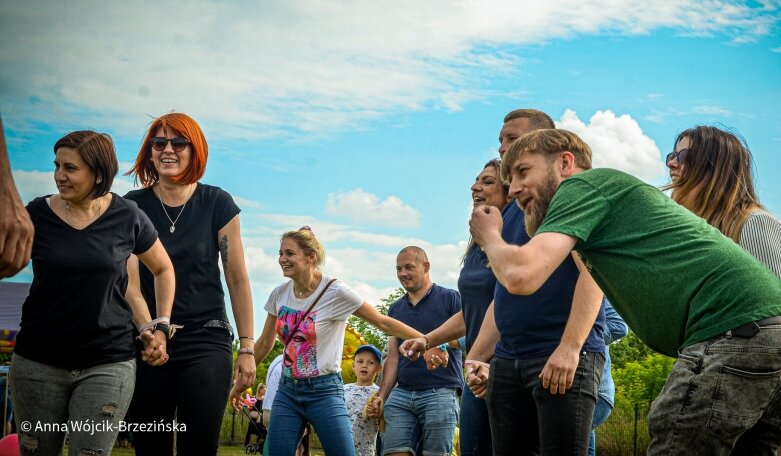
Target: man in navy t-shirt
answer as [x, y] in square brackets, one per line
[422, 411]
[549, 356]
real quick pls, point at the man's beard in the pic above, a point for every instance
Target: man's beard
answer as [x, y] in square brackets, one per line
[535, 212]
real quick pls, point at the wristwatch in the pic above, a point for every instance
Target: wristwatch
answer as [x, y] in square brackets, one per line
[167, 329]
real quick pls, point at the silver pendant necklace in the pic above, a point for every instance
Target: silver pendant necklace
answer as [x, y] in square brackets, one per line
[172, 228]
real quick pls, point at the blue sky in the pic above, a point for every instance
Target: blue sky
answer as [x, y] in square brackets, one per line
[369, 121]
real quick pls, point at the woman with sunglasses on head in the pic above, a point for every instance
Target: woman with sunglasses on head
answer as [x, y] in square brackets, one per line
[711, 176]
[74, 360]
[198, 226]
[308, 313]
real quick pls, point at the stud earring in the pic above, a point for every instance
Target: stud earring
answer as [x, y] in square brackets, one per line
[99, 180]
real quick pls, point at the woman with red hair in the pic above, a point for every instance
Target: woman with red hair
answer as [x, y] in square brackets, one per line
[198, 226]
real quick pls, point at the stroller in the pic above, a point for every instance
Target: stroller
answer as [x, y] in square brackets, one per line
[259, 430]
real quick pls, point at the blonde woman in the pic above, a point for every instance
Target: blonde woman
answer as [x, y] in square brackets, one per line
[309, 314]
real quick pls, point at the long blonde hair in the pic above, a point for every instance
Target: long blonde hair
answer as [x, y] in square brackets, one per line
[719, 162]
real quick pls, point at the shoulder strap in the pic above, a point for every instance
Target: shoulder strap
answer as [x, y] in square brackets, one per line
[312, 306]
[306, 312]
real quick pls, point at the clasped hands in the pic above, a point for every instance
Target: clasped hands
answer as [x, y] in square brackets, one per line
[434, 357]
[154, 352]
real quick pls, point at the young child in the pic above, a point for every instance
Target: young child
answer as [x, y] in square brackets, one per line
[366, 364]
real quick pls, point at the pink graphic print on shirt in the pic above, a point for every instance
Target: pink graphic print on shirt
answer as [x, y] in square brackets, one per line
[300, 359]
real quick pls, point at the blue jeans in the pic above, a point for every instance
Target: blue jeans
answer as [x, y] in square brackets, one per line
[722, 397]
[475, 429]
[317, 400]
[430, 415]
[527, 419]
[601, 413]
[48, 399]
[192, 386]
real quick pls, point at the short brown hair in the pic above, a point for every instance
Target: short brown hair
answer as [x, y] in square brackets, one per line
[549, 142]
[181, 124]
[97, 151]
[417, 252]
[538, 120]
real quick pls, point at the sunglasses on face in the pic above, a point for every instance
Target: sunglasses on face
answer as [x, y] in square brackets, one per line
[178, 144]
[679, 155]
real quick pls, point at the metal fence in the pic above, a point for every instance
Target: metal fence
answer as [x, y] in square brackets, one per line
[624, 433]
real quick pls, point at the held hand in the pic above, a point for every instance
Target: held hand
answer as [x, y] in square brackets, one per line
[373, 407]
[16, 234]
[486, 222]
[477, 378]
[235, 396]
[413, 348]
[559, 371]
[435, 357]
[154, 352]
[244, 373]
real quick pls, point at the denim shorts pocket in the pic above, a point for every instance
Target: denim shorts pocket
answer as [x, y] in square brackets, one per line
[739, 400]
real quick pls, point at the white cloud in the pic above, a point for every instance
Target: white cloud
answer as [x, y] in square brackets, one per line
[254, 70]
[617, 142]
[361, 206]
[246, 203]
[363, 260]
[711, 110]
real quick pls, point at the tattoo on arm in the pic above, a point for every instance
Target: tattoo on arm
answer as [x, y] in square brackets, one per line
[224, 251]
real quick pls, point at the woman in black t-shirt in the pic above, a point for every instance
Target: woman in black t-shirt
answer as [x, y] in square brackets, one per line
[199, 226]
[74, 363]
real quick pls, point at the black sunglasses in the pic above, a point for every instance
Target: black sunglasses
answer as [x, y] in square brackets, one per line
[178, 144]
[680, 155]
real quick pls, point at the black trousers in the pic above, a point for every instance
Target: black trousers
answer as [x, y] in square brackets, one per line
[193, 386]
[527, 419]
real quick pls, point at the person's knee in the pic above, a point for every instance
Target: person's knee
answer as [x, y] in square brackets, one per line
[28, 443]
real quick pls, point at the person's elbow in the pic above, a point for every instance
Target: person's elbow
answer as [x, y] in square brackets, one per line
[520, 282]
[162, 268]
[383, 324]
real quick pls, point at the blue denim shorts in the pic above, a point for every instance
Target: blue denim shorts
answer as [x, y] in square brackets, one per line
[428, 417]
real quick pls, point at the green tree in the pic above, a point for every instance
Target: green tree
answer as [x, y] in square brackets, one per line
[628, 349]
[641, 381]
[369, 332]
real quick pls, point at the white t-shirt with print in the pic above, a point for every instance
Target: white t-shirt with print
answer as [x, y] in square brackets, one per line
[315, 347]
[364, 429]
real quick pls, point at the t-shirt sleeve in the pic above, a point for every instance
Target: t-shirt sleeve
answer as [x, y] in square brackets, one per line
[224, 209]
[146, 234]
[761, 237]
[576, 210]
[345, 301]
[271, 304]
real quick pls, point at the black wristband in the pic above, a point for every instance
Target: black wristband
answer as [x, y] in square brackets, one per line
[166, 329]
